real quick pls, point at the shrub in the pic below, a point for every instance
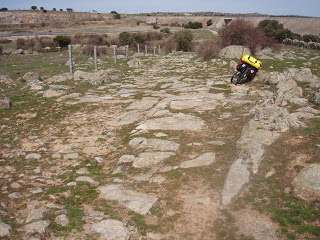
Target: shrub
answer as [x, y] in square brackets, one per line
[209, 22]
[77, 37]
[117, 16]
[152, 36]
[274, 29]
[184, 40]
[46, 42]
[1, 52]
[139, 38]
[89, 50]
[193, 25]
[125, 39]
[3, 9]
[62, 41]
[243, 32]
[165, 31]
[310, 37]
[25, 44]
[208, 49]
[169, 45]
[96, 40]
[155, 26]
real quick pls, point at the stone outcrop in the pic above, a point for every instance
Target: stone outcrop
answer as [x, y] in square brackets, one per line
[97, 77]
[234, 51]
[111, 229]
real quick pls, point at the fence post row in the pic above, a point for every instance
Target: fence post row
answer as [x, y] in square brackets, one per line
[146, 49]
[159, 49]
[138, 48]
[70, 59]
[95, 58]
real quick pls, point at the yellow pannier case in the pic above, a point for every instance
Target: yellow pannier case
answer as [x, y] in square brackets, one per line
[251, 60]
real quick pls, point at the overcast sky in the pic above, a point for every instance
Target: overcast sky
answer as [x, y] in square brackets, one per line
[275, 7]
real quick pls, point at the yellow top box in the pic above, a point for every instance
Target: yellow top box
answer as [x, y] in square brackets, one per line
[251, 60]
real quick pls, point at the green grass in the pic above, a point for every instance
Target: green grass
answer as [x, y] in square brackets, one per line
[138, 221]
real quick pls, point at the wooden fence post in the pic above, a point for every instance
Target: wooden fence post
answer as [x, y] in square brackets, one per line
[127, 52]
[159, 49]
[95, 58]
[138, 48]
[70, 59]
[115, 54]
[154, 50]
[146, 49]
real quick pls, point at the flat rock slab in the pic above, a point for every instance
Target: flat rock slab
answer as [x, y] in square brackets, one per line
[198, 104]
[32, 156]
[205, 159]
[138, 202]
[236, 180]
[127, 118]
[154, 144]
[37, 227]
[178, 123]
[85, 179]
[251, 224]
[307, 183]
[143, 104]
[147, 159]
[111, 229]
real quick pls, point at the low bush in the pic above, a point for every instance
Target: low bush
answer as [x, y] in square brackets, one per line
[89, 50]
[208, 49]
[62, 41]
[25, 44]
[76, 38]
[155, 26]
[169, 46]
[193, 25]
[310, 37]
[1, 52]
[46, 42]
[209, 22]
[184, 40]
[125, 39]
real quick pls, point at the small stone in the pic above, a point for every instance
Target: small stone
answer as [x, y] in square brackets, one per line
[82, 171]
[147, 159]
[37, 227]
[70, 156]
[217, 142]
[70, 184]
[85, 179]
[111, 229]
[270, 173]
[35, 191]
[126, 159]
[56, 155]
[287, 190]
[35, 214]
[32, 156]
[62, 220]
[99, 159]
[160, 134]
[14, 195]
[5, 230]
[203, 160]
[15, 185]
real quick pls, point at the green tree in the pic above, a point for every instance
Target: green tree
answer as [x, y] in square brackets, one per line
[184, 40]
[125, 39]
[34, 7]
[310, 37]
[62, 41]
[209, 22]
[41, 8]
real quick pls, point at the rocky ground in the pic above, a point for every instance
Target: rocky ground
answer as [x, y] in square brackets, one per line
[165, 148]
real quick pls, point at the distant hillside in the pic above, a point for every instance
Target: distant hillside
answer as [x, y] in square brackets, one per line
[33, 19]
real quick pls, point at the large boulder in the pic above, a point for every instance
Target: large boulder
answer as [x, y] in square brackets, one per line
[59, 78]
[97, 77]
[30, 77]
[5, 102]
[307, 183]
[234, 51]
[5, 79]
